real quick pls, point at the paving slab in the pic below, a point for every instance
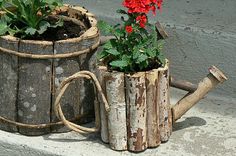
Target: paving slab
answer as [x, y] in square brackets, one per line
[207, 129]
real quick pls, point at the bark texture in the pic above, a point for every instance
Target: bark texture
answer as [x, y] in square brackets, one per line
[153, 131]
[164, 103]
[101, 72]
[117, 116]
[8, 83]
[34, 92]
[29, 81]
[136, 112]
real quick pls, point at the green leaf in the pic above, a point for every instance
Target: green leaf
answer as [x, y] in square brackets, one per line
[151, 52]
[113, 52]
[142, 58]
[118, 32]
[126, 58]
[30, 31]
[161, 58]
[106, 28]
[136, 52]
[108, 45]
[119, 63]
[102, 54]
[3, 28]
[25, 18]
[43, 25]
[160, 44]
[143, 65]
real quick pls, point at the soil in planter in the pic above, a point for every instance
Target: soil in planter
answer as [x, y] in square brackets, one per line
[68, 30]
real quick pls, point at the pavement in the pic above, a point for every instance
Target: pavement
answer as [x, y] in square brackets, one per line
[201, 33]
[206, 130]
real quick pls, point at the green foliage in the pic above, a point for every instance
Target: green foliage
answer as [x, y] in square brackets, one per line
[131, 52]
[27, 17]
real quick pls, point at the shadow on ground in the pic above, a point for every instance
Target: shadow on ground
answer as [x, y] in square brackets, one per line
[189, 122]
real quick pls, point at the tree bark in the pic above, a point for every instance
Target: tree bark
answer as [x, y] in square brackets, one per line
[101, 71]
[34, 94]
[136, 112]
[153, 132]
[165, 121]
[8, 82]
[115, 92]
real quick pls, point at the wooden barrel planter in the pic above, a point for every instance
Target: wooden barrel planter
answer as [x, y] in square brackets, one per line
[140, 113]
[31, 72]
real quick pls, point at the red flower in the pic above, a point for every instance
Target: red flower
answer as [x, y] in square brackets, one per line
[129, 29]
[142, 6]
[159, 4]
[153, 8]
[142, 19]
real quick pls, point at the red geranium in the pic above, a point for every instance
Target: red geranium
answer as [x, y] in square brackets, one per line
[142, 7]
[142, 19]
[129, 29]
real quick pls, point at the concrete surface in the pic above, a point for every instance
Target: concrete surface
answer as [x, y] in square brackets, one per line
[202, 33]
[207, 130]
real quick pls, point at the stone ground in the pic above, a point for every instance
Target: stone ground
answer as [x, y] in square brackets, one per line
[209, 129]
[202, 33]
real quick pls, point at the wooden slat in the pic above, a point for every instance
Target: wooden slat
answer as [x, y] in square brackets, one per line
[79, 97]
[87, 91]
[136, 111]
[153, 132]
[117, 129]
[101, 71]
[34, 95]
[8, 82]
[63, 68]
[164, 103]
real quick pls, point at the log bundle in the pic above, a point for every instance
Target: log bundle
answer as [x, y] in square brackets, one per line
[140, 115]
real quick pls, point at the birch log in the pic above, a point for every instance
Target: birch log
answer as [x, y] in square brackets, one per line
[104, 127]
[165, 125]
[153, 132]
[8, 82]
[136, 112]
[117, 129]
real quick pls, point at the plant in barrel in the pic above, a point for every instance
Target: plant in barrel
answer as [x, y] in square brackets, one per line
[24, 18]
[41, 43]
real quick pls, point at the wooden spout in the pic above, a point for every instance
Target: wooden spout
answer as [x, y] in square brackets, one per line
[214, 77]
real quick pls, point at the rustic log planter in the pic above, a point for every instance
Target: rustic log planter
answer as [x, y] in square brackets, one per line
[31, 72]
[140, 115]
[140, 112]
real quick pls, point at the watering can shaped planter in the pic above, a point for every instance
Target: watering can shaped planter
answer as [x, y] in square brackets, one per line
[136, 113]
